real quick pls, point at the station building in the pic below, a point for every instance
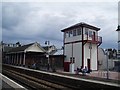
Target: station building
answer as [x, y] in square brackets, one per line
[24, 55]
[34, 53]
[81, 43]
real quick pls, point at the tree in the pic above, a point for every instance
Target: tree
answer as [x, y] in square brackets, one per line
[18, 43]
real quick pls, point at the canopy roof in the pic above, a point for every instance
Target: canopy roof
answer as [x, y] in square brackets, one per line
[33, 47]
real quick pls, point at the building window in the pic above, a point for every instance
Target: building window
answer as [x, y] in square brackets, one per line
[90, 33]
[66, 34]
[79, 31]
[74, 32]
[70, 33]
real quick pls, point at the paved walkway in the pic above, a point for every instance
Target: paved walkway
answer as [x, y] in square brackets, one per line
[99, 74]
[103, 74]
[6, 86]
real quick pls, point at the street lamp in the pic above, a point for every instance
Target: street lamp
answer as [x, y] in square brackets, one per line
[106, 52]
[48, 65]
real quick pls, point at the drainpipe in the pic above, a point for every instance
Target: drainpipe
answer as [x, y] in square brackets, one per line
[90, 54]
[82, 49]
[24, 58]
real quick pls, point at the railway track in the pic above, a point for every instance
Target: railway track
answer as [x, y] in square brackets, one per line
[32, 82]
[38, 80]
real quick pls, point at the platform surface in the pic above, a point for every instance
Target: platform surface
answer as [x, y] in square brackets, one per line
[8, 83]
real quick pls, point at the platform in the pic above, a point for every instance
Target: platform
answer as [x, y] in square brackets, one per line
[7, 83]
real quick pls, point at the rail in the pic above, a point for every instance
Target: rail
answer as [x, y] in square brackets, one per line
[32, 82]
[63, 80]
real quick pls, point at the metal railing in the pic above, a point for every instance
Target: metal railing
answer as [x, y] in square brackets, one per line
[93, 38]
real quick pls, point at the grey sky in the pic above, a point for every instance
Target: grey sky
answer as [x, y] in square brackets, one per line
[118, 20]
[29, 22]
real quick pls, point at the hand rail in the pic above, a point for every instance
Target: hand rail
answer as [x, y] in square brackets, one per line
[93, 38]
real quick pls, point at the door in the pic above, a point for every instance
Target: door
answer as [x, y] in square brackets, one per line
[88, 63]
[66, 66]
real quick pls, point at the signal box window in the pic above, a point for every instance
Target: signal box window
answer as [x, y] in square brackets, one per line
[90, 33]
[66, 34]
[70, 33]
[74, 32]
[86, 31]
[79, 31]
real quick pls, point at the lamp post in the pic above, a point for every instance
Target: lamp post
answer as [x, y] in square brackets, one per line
[107, 64]
[48, 63]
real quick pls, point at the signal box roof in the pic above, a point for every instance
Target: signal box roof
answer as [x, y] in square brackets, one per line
[81, 25]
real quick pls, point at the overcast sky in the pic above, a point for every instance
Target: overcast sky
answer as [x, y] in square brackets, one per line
[28, 22]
